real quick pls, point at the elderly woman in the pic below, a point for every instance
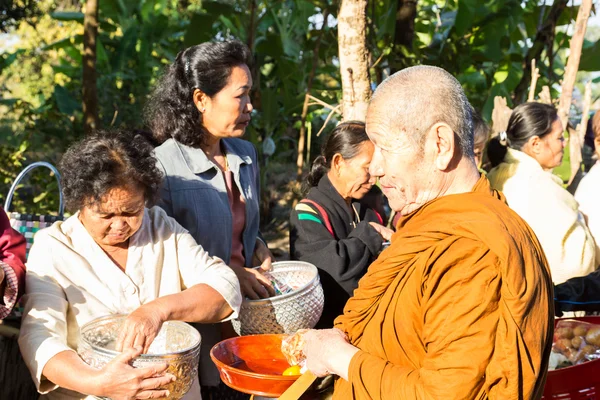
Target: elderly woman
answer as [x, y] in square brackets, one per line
[524, 155]
[115, 255]
[331, 228]
[199, 111]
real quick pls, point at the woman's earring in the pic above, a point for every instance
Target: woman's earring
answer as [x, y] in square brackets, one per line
[202, 111]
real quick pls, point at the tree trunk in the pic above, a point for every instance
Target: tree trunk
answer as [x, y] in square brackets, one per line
[90, 92]
[544, 36]
[566, 92]
[354, 59]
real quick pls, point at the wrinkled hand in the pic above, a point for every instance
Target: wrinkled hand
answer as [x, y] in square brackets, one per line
[326, 351]
[120, 381]
[386, 233]
[139, 329]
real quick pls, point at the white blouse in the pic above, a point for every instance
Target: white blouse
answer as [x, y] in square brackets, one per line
[552, 212]
[588, 197]
[71, 281]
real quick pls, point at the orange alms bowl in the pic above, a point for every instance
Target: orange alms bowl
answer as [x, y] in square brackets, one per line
[253, 364]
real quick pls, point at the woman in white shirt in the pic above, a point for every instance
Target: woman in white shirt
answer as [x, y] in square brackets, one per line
[524, 156]
[114, 256]
[588, 191]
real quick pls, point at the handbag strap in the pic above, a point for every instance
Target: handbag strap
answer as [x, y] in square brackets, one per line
[323, 214]
[22, 174]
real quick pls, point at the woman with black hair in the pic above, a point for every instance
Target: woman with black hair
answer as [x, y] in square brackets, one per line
[524, 156]
[198, 112]
[330, 227]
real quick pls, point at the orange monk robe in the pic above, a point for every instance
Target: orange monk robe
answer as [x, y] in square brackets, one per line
[458, 307]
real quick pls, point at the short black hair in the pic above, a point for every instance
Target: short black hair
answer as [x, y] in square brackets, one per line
[170, 111]
[106, 160]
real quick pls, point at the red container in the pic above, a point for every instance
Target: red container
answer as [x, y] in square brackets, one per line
[579, 382]
[253, 364]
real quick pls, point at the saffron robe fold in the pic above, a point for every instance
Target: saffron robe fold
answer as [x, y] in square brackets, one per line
[458, 307]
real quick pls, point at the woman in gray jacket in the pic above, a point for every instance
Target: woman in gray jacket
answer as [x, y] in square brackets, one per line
[198, 111]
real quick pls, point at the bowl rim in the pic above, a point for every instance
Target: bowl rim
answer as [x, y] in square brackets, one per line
[296, 292]
[104, 351]
[222, 365]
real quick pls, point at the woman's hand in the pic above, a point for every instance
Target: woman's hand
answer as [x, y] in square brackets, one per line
[262, 256]
[386, 233]
[120, 381]
[327, 352]
[253, 283]
[140, 328]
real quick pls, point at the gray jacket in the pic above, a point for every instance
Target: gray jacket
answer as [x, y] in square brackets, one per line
[194, 193]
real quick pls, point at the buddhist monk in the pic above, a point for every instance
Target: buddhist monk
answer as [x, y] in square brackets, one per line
[460, 305]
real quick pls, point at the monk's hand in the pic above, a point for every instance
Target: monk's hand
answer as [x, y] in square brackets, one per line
[328, 352]
[119, 380]
[386, 233]
[140, 328]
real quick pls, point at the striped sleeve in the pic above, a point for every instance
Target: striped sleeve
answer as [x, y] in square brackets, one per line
[307, 213]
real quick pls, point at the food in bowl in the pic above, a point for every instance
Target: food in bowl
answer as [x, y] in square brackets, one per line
[177, 344]
[293, 370]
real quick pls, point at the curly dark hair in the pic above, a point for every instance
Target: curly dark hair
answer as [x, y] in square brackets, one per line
[170, 111]
[105, 160]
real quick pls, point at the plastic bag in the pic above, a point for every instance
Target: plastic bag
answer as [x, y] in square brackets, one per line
[291, 347]
[576, 341]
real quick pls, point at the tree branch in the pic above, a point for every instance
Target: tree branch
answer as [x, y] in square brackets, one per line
[544, 35]
[570, 76]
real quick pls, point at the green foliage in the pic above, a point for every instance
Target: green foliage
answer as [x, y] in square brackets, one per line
[483, 43]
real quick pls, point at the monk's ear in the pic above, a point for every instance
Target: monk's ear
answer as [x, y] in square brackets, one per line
[445, 145]
[201, 100]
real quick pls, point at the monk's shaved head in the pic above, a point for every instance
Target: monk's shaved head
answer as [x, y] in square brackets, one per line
[416, 98]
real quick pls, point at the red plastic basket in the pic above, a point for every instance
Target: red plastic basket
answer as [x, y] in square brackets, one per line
[579, 382]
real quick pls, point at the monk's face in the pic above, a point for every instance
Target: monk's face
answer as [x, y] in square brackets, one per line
[404, 172]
